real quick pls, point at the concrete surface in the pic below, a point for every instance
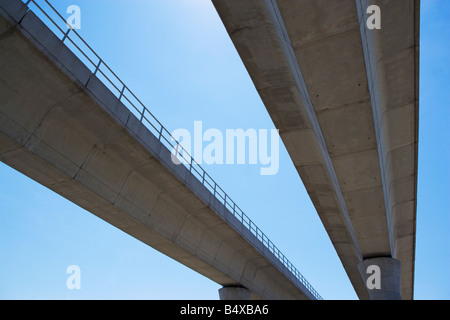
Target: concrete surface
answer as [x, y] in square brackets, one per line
[384, 280]
[345, 99]
[60, 126]
[234, 293]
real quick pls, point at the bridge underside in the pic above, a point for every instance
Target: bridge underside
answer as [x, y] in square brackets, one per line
[60, 126]
[345, 99]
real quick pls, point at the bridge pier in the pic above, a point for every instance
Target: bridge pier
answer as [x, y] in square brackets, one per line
[234, 293]
[382, 277]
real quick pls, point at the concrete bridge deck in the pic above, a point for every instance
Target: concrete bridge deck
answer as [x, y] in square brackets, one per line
[62, 127]
[345, 99]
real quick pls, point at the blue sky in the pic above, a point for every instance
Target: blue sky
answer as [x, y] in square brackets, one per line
[178, 59]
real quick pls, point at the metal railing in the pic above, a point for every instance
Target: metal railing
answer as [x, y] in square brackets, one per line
[129, 99]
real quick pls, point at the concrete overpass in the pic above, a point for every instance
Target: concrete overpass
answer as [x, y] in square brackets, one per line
[345, 99]
[79, 131]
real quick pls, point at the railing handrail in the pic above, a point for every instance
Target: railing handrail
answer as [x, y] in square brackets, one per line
[164, 134]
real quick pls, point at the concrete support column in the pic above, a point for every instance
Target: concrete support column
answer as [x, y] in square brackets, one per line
[382, 278]
[234, 293]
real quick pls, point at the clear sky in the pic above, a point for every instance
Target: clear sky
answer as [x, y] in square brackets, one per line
[178, 59]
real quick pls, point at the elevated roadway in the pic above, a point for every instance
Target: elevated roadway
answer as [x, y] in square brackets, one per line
[344, 96]
[63, 127]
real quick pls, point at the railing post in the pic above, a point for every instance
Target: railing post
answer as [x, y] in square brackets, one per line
[160, 131]
[121, 92]
[66, 34]
[98, 66]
